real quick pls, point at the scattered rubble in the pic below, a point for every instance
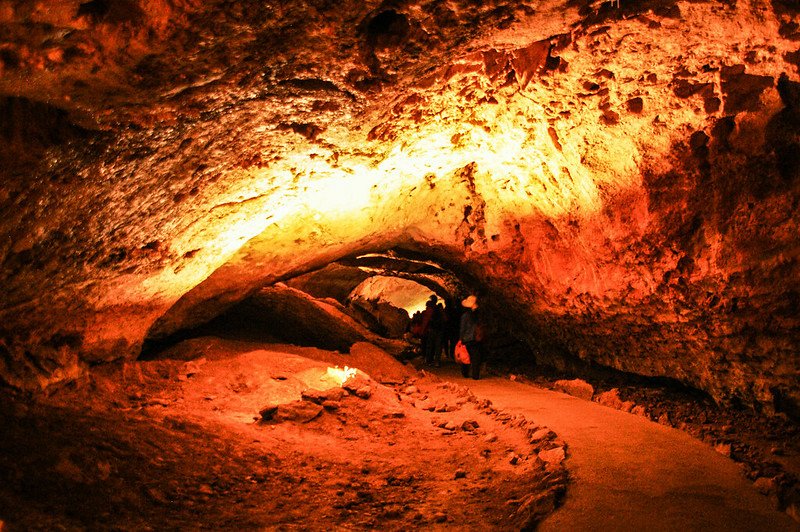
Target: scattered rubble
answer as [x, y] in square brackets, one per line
[231, 447]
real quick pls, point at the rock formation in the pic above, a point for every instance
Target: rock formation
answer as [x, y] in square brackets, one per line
[619, 179]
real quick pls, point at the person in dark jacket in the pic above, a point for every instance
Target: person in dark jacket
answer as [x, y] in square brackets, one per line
[470, 334]
[434, 333]
[452, 318]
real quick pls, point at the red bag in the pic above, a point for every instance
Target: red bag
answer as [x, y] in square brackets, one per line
[461, 354]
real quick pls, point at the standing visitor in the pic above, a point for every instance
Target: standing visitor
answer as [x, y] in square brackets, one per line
[432, 341]
[470, 334]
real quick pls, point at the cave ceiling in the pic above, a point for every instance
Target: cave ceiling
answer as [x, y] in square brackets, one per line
[622, 177]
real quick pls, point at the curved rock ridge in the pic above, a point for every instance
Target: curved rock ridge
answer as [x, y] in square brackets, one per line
[620, 179]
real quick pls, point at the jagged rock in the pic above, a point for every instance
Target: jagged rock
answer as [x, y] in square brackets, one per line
[635, 105]
[764, 485]
[541, 435]
[364, 392]
[576, 387]
[723, 448]
[610, 399]
[320, 396]
[553, 456]
[469, 426]
[331, 405]
[268, 412]
[358, 385]
[299, 411]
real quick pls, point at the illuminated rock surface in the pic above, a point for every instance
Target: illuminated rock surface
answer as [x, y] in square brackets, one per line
[620, 182]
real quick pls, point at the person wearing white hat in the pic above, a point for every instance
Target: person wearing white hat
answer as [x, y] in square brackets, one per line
[470, 335]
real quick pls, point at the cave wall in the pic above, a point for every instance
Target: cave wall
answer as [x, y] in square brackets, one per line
[623, 178]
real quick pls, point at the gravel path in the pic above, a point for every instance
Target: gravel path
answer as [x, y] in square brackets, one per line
[628, 473]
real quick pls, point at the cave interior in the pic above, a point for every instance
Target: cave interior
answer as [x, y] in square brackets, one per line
[272, 188]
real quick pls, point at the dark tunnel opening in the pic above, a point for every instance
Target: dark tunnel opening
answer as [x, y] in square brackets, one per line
[354, 299]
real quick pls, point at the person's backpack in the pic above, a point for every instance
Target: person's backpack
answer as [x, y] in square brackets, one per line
[461, 354]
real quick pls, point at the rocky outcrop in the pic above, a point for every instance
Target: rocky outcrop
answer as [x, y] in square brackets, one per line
[620, 180]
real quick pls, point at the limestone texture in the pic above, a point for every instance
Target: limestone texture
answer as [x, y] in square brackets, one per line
[620, 180]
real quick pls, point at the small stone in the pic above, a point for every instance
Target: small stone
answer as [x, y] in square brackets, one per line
[356, 384]
[610, 117]
[639, 411]
[723, 448]
[513, 458]
[460, 473]
[157, 495]
[411, 390]
[440, 517]
[469, 426]
[491, 437]
[610, 399]
[635, 105]
[268, 412]
[793, 510]
[314, 396]
[320, 396]
[206, 489]
[764, 485]
[301, 411]
[541, 435]
[365, 392]
[777, 451]
[55, 55]
[576, 387]
[450, 426]
[331, 405]
[553, 456]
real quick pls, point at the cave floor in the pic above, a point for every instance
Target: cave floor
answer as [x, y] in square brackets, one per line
[180, 444]
[628, 473]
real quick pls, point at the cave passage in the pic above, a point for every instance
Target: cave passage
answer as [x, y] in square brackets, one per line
[369, 296]
[218, 219]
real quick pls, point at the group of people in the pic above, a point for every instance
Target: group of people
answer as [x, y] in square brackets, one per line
[440, 328]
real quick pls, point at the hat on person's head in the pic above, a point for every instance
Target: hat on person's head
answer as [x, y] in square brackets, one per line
[470, 302]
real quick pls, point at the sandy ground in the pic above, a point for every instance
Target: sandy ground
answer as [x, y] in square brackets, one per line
[229, 435]
[629, 473]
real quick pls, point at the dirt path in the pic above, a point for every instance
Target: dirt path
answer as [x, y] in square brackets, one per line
[628, 473]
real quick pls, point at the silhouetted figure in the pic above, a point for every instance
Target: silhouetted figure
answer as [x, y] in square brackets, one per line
[415, 326]
[452, 324]
[471, 335]
[434, 334]
[432, 331]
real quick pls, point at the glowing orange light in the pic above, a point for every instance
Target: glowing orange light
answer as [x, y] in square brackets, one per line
[341, 376]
